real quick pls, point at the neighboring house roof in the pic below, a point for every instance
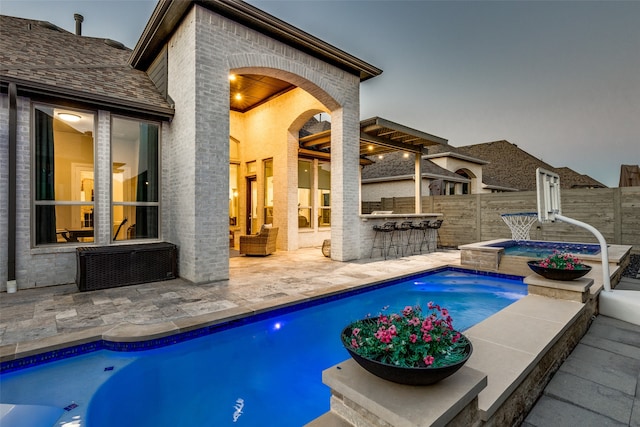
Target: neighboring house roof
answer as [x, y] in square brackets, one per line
[572, 179]
[396, 165]
[43, 59]
[168, 13]
[314, 126]
[456, 155]
[510, 166]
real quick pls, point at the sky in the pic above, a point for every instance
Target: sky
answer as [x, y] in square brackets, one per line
[559, 79]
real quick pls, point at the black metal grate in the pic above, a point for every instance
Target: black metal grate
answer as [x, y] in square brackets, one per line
[102, 267]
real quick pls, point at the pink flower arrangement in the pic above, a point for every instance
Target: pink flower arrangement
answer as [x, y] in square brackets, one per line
[562, 261]
[409, 338]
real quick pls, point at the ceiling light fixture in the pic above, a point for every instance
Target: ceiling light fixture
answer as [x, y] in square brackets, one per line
[232, 77]
[370, 148]
[68, 117]
[238, 97]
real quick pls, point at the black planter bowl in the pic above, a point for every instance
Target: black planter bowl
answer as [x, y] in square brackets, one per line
[557, 273]
[407, 376]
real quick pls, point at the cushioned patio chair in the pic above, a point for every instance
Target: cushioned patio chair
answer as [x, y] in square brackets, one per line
[261, 244]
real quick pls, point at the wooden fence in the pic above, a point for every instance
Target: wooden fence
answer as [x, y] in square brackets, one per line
[615, 212]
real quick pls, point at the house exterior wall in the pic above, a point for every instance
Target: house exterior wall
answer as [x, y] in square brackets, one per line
[403, 188]
[45, 266]
[202, 52]
[453, 164]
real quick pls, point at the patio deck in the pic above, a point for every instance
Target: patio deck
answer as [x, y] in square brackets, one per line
[41, 317]
[31, 320]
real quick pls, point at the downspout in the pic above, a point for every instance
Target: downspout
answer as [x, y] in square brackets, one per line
[13, 136]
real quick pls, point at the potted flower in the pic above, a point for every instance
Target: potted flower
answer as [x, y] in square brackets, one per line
[408, 347]
[560, 266]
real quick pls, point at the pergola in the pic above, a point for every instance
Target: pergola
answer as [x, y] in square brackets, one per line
[377, 137]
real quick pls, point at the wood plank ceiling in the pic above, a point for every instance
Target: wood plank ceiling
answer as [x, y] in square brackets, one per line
[377, 135]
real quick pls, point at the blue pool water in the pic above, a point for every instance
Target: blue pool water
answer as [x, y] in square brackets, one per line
[266, 372]
[537, 249]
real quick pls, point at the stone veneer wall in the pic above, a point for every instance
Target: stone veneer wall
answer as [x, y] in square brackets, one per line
[521, 401]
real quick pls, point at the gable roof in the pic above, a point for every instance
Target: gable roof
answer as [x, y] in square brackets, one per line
[168, 13]
[510, 166]
[45, 60]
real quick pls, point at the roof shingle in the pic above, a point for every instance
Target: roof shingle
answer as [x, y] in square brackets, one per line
[41, 56]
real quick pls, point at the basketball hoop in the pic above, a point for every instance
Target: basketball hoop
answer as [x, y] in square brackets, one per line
[520, 224]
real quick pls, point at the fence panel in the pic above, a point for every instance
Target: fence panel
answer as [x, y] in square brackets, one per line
[615, 212]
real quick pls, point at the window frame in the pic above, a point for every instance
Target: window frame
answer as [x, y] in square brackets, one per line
[112, 203]
[34, 203]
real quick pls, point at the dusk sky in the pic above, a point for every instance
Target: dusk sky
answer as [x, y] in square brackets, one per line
[559, 79]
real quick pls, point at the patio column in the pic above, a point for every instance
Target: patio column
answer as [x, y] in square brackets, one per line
[418, 182]
[345, 191]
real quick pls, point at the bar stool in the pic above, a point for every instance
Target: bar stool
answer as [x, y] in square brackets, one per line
[384, 236]
[420, 235]
[434, 237]
[404, 236]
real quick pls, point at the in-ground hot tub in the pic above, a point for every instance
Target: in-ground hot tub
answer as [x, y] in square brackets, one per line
[510, 256]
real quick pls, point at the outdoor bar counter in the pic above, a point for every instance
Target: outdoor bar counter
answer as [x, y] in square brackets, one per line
[382, 218]
[369, 220]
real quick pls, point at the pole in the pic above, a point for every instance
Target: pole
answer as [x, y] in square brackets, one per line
[606, 279]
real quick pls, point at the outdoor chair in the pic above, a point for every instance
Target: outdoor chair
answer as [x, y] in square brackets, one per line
[261, 244]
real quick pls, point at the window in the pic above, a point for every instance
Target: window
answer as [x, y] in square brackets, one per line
[324, 194]
[268, 191]
[135, 179]
[304, 194]
[63, 175]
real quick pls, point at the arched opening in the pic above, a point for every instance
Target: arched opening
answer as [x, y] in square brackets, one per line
[277, 180]
[466, 187]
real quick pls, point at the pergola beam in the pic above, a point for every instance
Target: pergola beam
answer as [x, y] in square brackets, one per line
[395, 145]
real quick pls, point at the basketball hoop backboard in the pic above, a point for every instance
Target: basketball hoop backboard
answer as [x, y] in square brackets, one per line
[548, 189]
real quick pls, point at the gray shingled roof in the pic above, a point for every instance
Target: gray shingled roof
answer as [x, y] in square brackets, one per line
[508, 166]
[48, 60]
[513, 167]
[395, 164]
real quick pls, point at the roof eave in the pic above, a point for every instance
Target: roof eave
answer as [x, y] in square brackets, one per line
[457, 156]
[168, 13]
[73, 96]
[498, 187]
[379, 121]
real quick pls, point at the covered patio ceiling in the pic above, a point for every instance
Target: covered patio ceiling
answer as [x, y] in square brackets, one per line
[377, 135]
[247, 91]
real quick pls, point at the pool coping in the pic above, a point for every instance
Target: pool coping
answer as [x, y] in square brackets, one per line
[133, 337]
[616, 252]
[518, 349]
[490, 399]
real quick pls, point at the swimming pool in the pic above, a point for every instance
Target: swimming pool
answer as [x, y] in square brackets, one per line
[542, 249]
[267, 368]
